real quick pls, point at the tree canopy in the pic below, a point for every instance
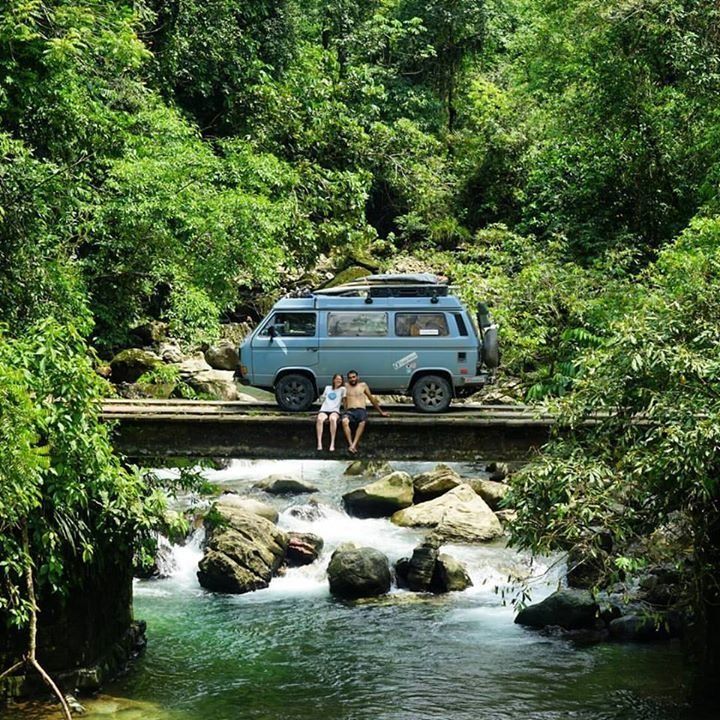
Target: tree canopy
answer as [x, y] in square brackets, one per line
[163, 159]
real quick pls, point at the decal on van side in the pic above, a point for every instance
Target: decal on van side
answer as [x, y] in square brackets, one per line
[405, 361]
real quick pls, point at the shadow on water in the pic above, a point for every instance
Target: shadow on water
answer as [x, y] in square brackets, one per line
[292, 652]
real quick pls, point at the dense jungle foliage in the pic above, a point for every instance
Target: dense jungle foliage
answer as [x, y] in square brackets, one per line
[163, 159]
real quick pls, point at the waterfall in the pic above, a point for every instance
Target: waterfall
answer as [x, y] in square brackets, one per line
[492, 568]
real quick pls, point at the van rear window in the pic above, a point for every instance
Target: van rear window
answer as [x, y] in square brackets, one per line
[420, 324]
[357, 324]
[462, 328]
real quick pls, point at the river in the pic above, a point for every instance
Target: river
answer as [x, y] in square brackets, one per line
[291, 652]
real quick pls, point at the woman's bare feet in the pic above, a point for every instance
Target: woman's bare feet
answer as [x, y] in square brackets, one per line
[352, 449]
[319, 447]
[331, 448]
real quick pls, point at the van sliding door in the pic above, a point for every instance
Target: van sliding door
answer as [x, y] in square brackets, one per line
[356, 340]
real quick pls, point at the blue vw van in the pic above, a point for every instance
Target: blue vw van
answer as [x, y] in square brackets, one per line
[404, 334]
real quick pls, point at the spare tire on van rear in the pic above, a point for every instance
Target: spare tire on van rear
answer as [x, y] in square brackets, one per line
[491, 349]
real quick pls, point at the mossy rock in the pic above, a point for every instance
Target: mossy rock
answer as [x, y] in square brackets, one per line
[348, 275]
[158, 391]
[360, 256]
[129, 365]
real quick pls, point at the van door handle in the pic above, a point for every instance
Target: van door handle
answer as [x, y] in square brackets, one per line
[312, 349]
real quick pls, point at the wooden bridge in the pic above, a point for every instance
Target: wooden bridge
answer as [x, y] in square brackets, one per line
[147, 429]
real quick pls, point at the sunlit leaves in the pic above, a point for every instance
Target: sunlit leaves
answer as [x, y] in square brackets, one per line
[58, 472]
[651, 394]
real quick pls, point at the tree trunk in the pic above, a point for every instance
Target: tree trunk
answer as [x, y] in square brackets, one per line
[708, 689]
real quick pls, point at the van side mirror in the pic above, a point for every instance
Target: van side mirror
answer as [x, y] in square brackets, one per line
[272, 332]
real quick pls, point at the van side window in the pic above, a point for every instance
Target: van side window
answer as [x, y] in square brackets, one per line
[292, 324]
[357, 324]
[462, 328]
[420, 324]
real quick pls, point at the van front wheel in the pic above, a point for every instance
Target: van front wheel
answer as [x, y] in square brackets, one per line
[294, 393]
[432, 394]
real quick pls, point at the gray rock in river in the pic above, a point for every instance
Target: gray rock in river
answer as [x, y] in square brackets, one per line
[303, 549]
[381, 498]
[569, 609]
[356, 572]
[421, 567]
[435, 482]
[309, 512]
[450, 575]
[283, 485]
[368, 468]
[491, 492]
[460, 515]
[640, 628]
[251, 505]
[243, 551]
[428, 570]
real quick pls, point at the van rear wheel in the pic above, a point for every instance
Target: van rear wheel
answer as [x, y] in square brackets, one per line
[432, 394]
[294, 392]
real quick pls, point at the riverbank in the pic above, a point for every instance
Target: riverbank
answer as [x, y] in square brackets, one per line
[291, 651]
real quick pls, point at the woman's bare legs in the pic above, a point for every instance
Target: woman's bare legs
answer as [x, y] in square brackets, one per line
[319, 423]
[333, 430]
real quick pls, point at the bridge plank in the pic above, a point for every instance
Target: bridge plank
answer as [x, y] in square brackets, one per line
[145, 429]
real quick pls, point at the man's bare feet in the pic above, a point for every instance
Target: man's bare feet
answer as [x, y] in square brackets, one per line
[352, 449]
[331, 448]
[319, 447]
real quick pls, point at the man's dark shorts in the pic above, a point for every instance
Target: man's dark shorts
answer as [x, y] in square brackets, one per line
[356, 415]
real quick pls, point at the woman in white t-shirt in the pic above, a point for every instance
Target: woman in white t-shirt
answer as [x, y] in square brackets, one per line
[332, 398]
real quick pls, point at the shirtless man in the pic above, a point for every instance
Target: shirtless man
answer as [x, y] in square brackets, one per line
[356, 396]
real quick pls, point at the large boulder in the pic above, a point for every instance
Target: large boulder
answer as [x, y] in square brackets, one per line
[435, 482]
[450, 575]
[128, 365]
[223, 356]
[459, 515]
[421, 568]
[163, 564]
[248, 504]
[218, 384]
[193, 365]
[150, 333]
[381, 498]
[243, 551]
[646, 627]
[428, 570]
[303, 549]
[356, 572]
[506, 517]
[309, 512]
[498, 472]
[490, 491]
[171, 352]
[568, 609]
[235, 332]
[368, 468]
[283, 485]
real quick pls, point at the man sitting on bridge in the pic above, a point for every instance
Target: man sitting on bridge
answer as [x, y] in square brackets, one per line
[356, 396]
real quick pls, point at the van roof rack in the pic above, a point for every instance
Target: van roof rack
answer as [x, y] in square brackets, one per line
[410, 285]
